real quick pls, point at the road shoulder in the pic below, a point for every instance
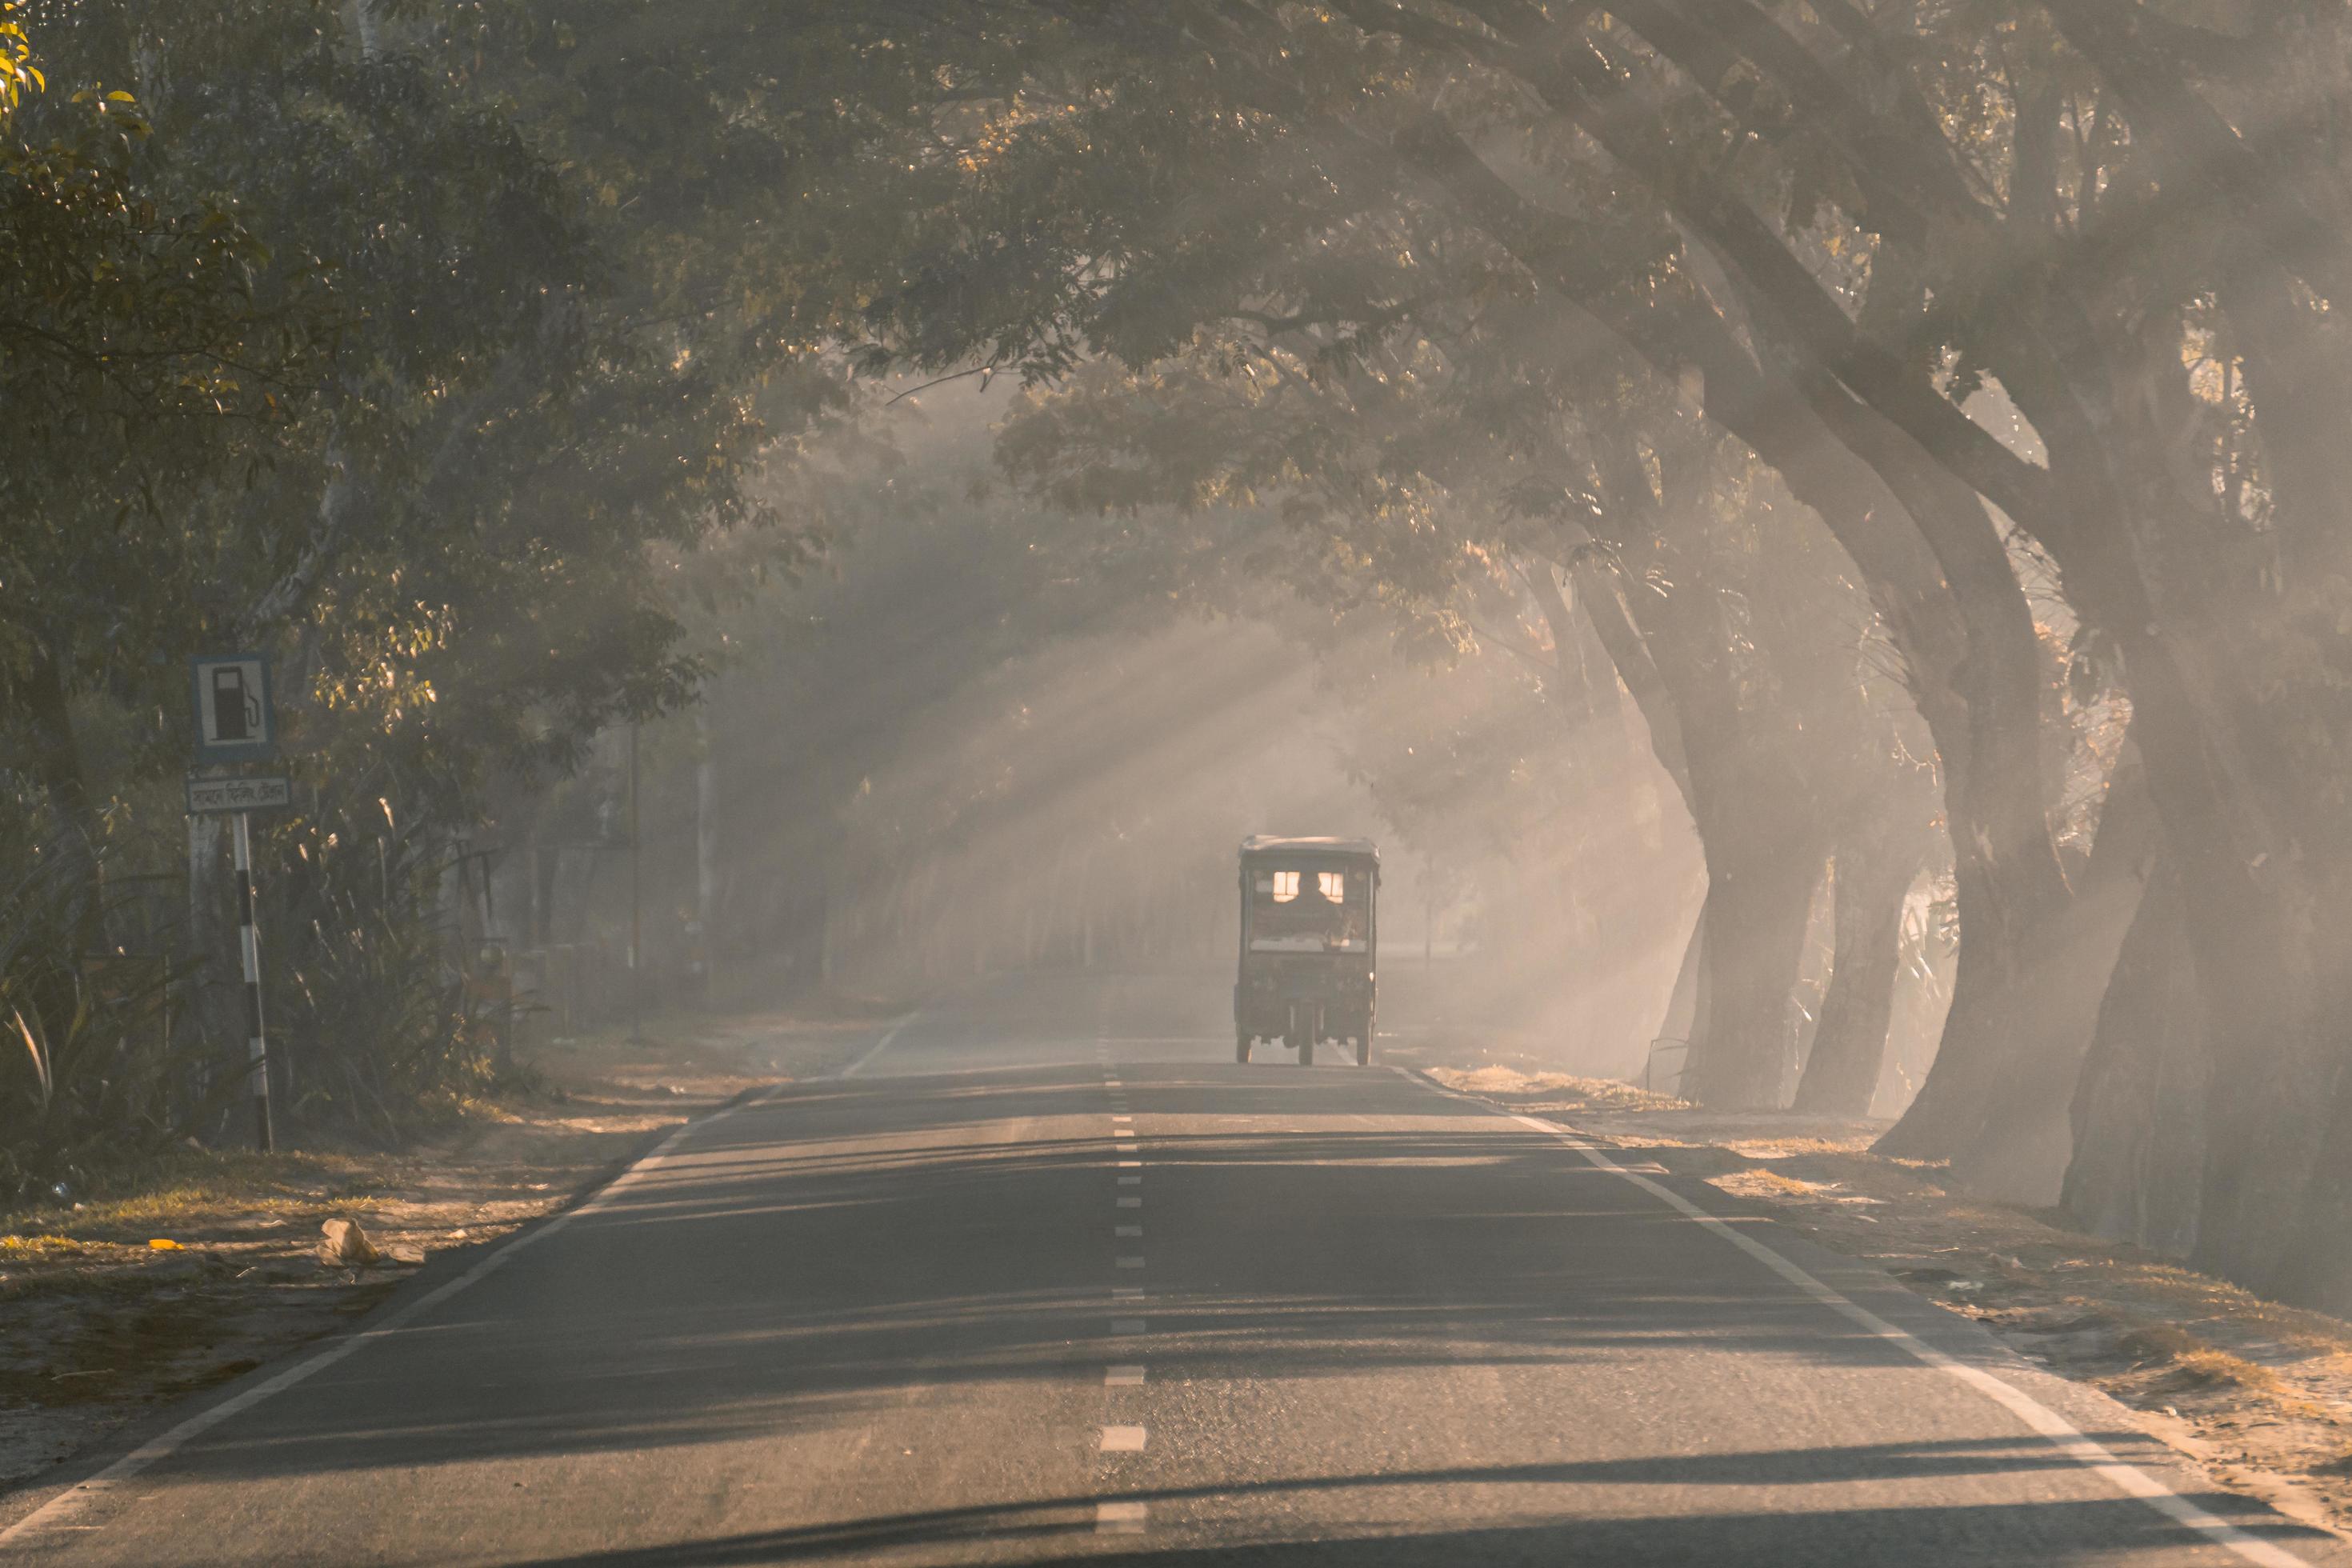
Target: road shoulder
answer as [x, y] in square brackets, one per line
[2257, 1396]
[207, 1266]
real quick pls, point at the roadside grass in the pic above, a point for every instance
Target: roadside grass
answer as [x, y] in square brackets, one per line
[190, 1193]
[1768, 1184]
[1555, 1090]
[2194, 1360]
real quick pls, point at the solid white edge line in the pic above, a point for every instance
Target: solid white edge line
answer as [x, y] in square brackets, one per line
[2061, 1433]
[73, 1500]
[854, 1068]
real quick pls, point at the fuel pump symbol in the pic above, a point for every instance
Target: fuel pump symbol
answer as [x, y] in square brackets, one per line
[236, 711]
[229, 703]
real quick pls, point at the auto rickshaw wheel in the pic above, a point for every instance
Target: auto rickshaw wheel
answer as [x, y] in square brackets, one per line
[1364, 1046]
[1241, 1047]
[1306, 1050]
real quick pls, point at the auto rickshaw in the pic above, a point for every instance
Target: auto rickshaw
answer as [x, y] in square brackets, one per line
[1309, 933]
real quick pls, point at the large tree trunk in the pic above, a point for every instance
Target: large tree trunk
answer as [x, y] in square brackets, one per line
[1841, 1077]
[2138, 1111]
[2020, 1147]
[2261, 905]
[1764, 850]
[1608, 619]
[1612, 624]
[1759, 893]
[2008, 1018]
[2247, 785]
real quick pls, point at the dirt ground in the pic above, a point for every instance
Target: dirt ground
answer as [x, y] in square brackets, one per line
[2259, 1395]
[213, 1266]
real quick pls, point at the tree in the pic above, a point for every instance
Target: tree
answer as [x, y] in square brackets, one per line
[1765, 175]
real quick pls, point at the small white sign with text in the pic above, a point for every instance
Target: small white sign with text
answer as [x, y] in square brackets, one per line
[206, 796]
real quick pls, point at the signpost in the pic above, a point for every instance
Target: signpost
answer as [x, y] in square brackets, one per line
[233, 723]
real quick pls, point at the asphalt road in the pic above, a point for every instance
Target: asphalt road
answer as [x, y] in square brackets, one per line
[1049, 1277]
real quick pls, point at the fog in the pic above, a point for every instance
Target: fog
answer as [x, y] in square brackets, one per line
[984, 738]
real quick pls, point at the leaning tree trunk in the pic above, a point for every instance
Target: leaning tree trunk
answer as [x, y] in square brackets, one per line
[1985, 714]
[1841, 1077]
[2264, 878]
[2248, 786]
[2138, 1112]
[2023, 1141]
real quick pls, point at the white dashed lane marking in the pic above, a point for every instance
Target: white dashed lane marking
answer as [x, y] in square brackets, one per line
[1123, 1517]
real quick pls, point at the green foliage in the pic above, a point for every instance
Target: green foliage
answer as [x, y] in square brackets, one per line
[373, 337]
[18, 73]
[91, 1068]
[370, 1018]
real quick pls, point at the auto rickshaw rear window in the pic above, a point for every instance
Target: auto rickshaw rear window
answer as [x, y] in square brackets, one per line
[1297, 909]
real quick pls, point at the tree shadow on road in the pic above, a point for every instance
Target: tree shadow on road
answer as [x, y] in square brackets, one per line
[808, 1261]
[1336, 1520]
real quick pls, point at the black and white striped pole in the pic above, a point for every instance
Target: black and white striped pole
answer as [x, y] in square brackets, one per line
[248, 941]
[234, 724]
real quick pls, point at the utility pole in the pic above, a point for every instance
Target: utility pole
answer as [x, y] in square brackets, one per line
[637, 920]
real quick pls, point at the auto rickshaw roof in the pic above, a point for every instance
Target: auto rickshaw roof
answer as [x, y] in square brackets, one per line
[1264, 844]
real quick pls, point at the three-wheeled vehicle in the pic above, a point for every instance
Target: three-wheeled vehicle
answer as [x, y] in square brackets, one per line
[1307, 935]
